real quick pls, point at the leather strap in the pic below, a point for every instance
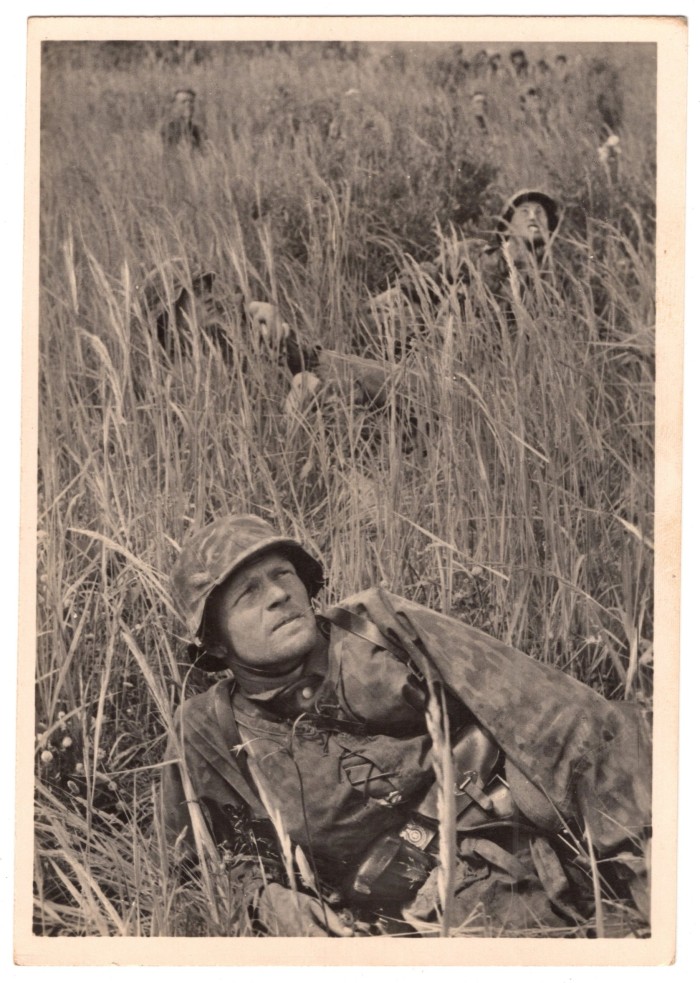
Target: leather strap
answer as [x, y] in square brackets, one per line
[495, 855]
[472, 788]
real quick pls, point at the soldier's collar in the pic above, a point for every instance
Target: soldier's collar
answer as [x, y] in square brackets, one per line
[265, 686]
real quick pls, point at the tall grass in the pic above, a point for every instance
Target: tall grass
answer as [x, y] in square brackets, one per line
[522, 501]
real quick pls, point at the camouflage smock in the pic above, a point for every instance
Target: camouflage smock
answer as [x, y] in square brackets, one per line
[337, 790]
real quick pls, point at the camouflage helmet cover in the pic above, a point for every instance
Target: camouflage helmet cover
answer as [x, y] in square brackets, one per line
[213, 553]
[528, 194]
[168, 286]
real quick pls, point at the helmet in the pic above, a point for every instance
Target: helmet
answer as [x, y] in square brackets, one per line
[548, 203]
[172, 284]
[213, 553]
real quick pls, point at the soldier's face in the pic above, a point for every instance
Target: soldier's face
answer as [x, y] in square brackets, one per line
[529, 221]
[479, 105]
[184, 105]
[263, 615]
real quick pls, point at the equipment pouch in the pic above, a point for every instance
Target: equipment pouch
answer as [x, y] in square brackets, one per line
[476, 757]
[392, 870]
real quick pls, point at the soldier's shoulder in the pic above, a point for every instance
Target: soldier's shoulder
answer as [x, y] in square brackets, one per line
[359, 600]
[378, 600]
[201, 704]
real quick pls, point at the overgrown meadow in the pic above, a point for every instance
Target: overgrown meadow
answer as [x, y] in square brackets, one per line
[521, 497]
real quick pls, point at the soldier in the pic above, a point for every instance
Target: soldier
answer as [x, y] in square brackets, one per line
[479, 110]
[480, 64]
[542, 70]
[519, 64]
[495, 64]
[180, 130]
[526, 229]
[530, 217]
[181, 301]
[532, 106]
[605, 98]
[509, 267]
[513, 268]
[561, 69]
[327, 733]
[358, 380]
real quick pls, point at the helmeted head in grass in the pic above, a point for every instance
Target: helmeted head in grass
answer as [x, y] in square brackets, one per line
[531, 217]
[495, 62]
[173, 286]
[244, 592]
[519, 62]
[480, 62]
[180, 130]
[183, 103]
[180, 299]
[561, 67]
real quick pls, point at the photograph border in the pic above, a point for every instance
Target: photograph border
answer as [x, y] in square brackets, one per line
[670, 34]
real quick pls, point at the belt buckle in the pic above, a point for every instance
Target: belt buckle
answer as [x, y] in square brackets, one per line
[418, 835]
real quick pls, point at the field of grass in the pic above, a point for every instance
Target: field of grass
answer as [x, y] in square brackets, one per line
[523, 503]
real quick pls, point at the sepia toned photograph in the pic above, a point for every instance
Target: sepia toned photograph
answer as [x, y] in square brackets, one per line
[350, 413]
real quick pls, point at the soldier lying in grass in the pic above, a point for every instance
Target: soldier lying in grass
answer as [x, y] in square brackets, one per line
[513, 268]
[429, 298]
[350, 755]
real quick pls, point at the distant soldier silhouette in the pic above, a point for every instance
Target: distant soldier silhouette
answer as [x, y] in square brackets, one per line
[542, 69]
[495, 64]
[605, 109]
[532, 106]
[519, 63]
[479, 108]
[181, 130]
[605, 98]
[561, 69]
[480, 63]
